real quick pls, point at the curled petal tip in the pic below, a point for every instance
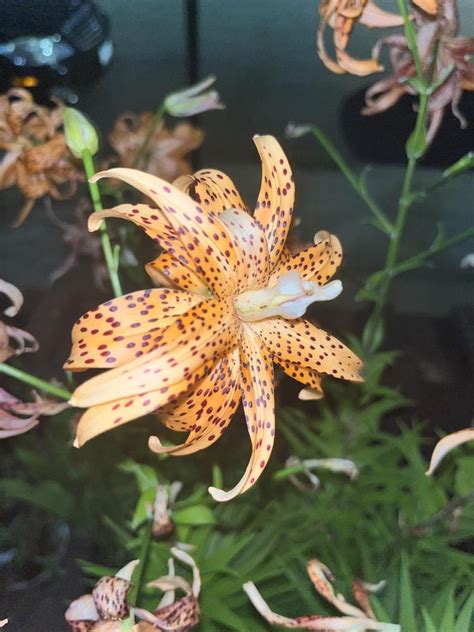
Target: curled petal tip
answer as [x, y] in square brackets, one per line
[154, 444]
[76, 443]
[308, 394]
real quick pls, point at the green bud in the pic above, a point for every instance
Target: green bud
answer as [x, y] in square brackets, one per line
[463, 164]
[80, 133]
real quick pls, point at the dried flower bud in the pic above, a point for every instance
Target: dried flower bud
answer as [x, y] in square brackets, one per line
[80, 133]
[193, 100]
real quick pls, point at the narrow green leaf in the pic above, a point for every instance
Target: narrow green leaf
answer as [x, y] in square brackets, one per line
[465, 618]
[407, 600]
[145, 475]
[428, 621]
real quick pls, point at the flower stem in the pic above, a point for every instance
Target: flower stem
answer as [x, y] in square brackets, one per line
[411, 39]
[155, 121]
[383, 221]
[144, 553]
[36, 382]
[417, 260]
[405, 203]
[111, 257]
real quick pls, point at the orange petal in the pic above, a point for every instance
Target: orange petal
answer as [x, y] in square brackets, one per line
[308, 377]
[208, 247]
[276, 198]
[321, 47]
[124, 328]
[205, 332]
[253, 259]
[375, 17]
[304, 344]
[258, 403]
[213, 189]
[316, 263]
[359, 67]
[115, 413]
[207, 411]
[167, 271]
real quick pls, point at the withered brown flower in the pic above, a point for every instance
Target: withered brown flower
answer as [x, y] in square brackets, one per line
[17, 417]
[36, 157]
[14, 341]
[341, 16]
[437, 35]
[167, 149]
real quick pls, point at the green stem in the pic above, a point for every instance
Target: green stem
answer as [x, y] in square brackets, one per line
[111, 258]
[405, 203]
[36, 382]
[416, 260]
[384, 222]
[144, 553]
[155, 121]
[411, 39]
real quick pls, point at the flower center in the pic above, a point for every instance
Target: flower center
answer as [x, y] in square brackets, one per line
[289, 298]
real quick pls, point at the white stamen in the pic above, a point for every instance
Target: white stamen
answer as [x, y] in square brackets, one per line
[289, 298]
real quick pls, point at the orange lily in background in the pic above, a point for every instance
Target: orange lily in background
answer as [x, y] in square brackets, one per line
[229, 306]
[167, 150]
[341, 16]
[36, 158]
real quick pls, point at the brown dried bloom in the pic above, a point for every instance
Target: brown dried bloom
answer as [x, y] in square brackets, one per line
[14, 341]
[105, 608]
[360, 617]
[179, 615]
[167, 149]
[341, 16]
[453, 71]
[17, 417]
[36, 157]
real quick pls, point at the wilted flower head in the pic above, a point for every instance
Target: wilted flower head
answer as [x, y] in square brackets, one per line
[165, 497]
[341, 16]
[453, 72]
[230, 306]
[36, 158]
[14, 341]
[17, 417]
[166, 151]
[194, 100]
[106, 605]
[177, 615]
[357, 618]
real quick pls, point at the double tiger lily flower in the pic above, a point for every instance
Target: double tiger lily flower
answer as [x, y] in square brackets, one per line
[229, 305]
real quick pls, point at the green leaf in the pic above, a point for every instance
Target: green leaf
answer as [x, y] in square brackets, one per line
[193, 516]
[464, 479]
[145, 475]
[428, 621]
[447, 620]
[49, 496]
[373, 334]
[464, 620]
[416, 144]
[463, 164]
[407, 600]
[144, 507]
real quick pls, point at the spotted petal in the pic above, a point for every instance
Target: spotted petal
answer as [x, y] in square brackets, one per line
[316, 263]
[258, 403]
[205, 332]
[212, 189]
[304, 344]
[203, 239]
[125, 328]
[103, 417]
[208, 410]
[167, 271]
[277, 195]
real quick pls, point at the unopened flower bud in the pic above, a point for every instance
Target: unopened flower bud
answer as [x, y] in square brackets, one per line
[80, 133]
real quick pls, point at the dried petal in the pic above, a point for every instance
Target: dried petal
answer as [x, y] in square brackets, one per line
[446, 444]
